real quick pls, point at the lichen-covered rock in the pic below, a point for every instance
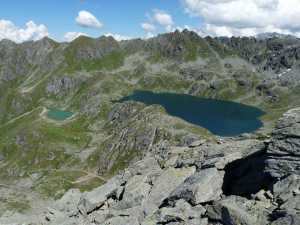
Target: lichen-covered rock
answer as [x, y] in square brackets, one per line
[182, 213]
[287, 195]
[236, 210]
[287, 220]
[284, 149]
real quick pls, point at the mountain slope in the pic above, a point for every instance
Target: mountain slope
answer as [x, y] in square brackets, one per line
[88, 76]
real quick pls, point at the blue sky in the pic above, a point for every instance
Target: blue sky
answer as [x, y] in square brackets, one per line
[24, 20]
[118, 16]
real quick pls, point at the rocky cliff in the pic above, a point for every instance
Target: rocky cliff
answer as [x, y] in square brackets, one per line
[232, 182]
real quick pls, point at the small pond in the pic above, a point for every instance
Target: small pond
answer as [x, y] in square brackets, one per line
[223, 118]
[58, 115]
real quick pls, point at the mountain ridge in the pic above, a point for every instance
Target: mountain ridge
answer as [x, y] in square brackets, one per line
[88, 76]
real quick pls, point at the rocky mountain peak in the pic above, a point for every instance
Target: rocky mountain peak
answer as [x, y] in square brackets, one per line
[7, 43]
[273, 35]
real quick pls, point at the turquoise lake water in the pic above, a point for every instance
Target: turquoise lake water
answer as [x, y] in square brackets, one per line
[59, 115]
[223, 118]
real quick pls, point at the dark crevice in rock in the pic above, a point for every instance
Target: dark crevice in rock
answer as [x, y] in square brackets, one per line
[247, 176]
[94, 210]
[171, 220]
[167, 203]
[121, 195]
[276, 214]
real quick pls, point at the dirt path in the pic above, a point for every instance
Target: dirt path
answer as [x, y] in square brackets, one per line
[88, 177]
[19, 117]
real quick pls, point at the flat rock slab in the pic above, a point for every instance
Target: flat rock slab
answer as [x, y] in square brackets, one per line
[164, 185]
[96, 198]
[203, 186]
[238, 210]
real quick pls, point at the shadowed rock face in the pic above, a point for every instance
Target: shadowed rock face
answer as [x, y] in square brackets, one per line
[247, 176]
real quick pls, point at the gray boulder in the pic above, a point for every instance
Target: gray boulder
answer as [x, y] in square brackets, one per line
[121, 220]
[111, 215]
[68, 203]
[235, 210]
[98, 197]
[287, 195]
[203, 186]
[287, 220]
[136, 190]
[163, 186]
[65, 209]
[182, 211]
[287, 188]
[147, 166]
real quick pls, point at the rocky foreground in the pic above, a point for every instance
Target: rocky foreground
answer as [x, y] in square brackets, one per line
[246, 181]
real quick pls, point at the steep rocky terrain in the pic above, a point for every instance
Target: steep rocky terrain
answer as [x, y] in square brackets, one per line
[234, 182]
[41, 159]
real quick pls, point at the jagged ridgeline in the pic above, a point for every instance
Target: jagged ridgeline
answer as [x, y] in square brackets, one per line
[85, 79]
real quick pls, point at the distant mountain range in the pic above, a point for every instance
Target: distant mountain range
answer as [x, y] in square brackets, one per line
[274, 35]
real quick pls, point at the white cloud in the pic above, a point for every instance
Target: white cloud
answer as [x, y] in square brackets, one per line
[231, 31]
[32, 31]
[70, 36]
[164, 19]
[159, 18]
[118, 37]
[148, 27]
[87, 19]
[246, 17]
[149, 35]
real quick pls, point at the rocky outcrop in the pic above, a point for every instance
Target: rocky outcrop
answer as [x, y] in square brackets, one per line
[177, 45]
[86, 48]
[190, 185]
[283, 165]
[174, 186]
[204, 186]
[274, 54]
[284, 148]
[62, 86]
[237, 210]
